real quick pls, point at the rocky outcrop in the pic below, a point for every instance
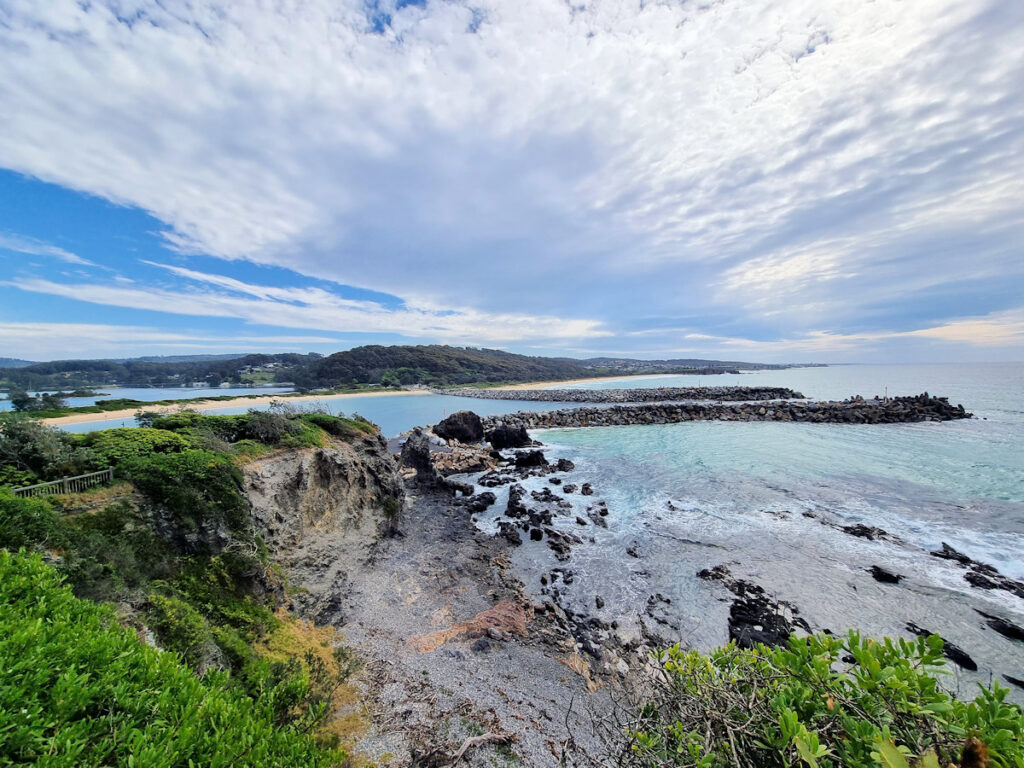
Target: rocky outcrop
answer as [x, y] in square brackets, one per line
[856, 410]
[464, 426]
[502, 436]
[320, 511]
[644, 395]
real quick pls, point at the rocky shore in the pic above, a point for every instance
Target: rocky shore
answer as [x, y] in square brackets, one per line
[650, 395]
[856, 410]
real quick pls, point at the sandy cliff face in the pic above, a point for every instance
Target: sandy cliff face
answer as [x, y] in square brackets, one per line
[320, 512]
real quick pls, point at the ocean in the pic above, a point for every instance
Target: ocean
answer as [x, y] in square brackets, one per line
[769, 500]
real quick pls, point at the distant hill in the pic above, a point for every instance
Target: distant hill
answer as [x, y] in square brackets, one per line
[212, 370]
[369, 365]
[13, 362]
[432, 364]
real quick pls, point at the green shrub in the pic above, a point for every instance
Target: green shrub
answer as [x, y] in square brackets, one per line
[201, 489]
[79, 691]
[48, 454]
[180, 628]
[339, 426]
[114, 551]
[821, 701]
[221, 588]
[29, 522]
[114, 446]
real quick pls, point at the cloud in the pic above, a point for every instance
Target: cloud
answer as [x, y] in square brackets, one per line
[314, 308]
[32, 247]
[795, 167]
[62, 341]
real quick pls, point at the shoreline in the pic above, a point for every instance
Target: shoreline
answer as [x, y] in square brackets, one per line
[209, 405]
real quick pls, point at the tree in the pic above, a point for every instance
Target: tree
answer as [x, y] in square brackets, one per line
[21, 400]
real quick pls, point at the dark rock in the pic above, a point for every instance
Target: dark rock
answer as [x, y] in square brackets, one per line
[754, 617]
[464, 426]
[586, 489]
[555, 480]
[981, 575]
[493, 479]
[510, 533]
[599, 602]
[536, 534]
[482, 645]
[1003, 627]
[869, 532]
[884, 576]
[596, 518]
[481, 501]
[416, 455]
[580, 520]
[564, 465]
[569, 488]
[531, 459]
[953, 652]
[505, 436]
[515, 507]
[1014, 681]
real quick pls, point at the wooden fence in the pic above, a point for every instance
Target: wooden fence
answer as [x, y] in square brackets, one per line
[75, 484]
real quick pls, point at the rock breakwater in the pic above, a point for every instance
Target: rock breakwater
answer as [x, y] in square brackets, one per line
[648, 395]
[855, 410]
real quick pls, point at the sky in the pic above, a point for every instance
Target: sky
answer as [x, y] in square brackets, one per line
[772, 181]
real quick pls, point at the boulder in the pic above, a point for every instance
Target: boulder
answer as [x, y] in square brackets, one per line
[504, 436]
[464, 426]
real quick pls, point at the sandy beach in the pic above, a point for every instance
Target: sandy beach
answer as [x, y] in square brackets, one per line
[208, 405]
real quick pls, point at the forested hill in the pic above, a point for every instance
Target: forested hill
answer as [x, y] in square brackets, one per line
[69, 374]
[433, 364]
[363, 366]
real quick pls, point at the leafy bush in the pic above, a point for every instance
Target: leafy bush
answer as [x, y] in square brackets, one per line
[79, 691]
[200, 489]
[821, 701]
[29, 523]
[114, 446]
[339, 426]
[179, 627]
[113, 552]
[270, 428]
[48, 454]
[221, 587]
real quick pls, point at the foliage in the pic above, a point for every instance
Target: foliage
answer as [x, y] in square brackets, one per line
[200, 489]
[340, 426]
[221, 588]
[114, 551]
[27, 447]
[114, 446]
[821, 701]
[29, 522]
[147, 373]
[24, 402]
[431, 364]
[79, 691]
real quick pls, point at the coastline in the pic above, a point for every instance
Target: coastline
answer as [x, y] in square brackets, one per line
[209, 405]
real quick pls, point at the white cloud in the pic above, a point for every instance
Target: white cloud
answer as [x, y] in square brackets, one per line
[32, 247]
[62, 341]
[613, 160]
[315, 308]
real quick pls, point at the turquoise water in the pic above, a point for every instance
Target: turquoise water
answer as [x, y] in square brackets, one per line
[960, 480]
[769, 501]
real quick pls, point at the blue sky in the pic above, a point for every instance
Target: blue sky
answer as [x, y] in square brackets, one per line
[801, 180]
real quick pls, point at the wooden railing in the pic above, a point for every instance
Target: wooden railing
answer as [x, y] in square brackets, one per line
[75, 484]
